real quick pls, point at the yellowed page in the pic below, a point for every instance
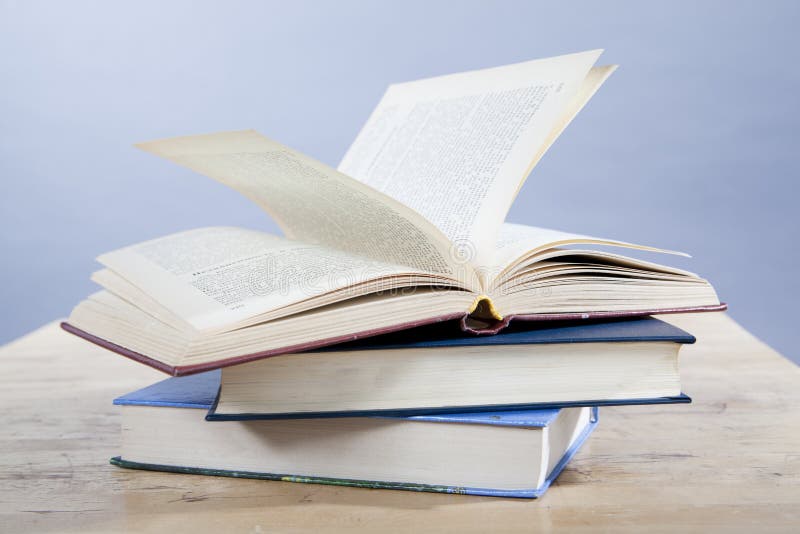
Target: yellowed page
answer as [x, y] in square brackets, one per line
[215, 277]
[516, 241]
[122, 288]
[314, 203]
[456, 148]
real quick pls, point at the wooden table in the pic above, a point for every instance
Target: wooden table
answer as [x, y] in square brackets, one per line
[729, 460]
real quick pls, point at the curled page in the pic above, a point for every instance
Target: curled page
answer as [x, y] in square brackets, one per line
[596, 77]
[456, 148]
[314, 203]
[516, 241]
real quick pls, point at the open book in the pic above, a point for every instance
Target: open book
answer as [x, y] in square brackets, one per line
[408, 230]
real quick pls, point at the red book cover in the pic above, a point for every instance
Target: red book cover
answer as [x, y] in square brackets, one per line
[468, 323]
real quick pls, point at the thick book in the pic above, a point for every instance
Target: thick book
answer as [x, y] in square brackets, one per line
[634, 361]
[500, 454]
[409, 230]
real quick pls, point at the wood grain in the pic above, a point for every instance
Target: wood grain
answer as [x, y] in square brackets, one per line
[730, 460]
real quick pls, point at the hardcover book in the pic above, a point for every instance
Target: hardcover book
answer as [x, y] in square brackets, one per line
[408, 230]
[500, 454]
[437, 370]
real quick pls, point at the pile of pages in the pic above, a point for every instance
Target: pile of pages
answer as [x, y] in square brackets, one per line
[400, 334]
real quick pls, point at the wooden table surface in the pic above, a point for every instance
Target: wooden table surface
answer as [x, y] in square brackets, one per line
[730, 460]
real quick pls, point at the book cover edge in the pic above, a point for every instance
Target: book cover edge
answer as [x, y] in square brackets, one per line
[183, 370]
[212, 416]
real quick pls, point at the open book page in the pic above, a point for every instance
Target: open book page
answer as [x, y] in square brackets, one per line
[515, 242]
[456, 148]
[213, 278]
[314, 203]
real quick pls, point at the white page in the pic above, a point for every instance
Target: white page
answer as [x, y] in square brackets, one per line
[456, 148]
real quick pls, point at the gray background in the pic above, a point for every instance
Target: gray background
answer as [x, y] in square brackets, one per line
[691, 145]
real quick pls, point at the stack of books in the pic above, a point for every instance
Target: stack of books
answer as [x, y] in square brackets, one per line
[401, 334]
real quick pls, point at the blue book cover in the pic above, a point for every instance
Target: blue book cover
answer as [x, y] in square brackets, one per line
[642, 329]
[199, 392]
[444, 335]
